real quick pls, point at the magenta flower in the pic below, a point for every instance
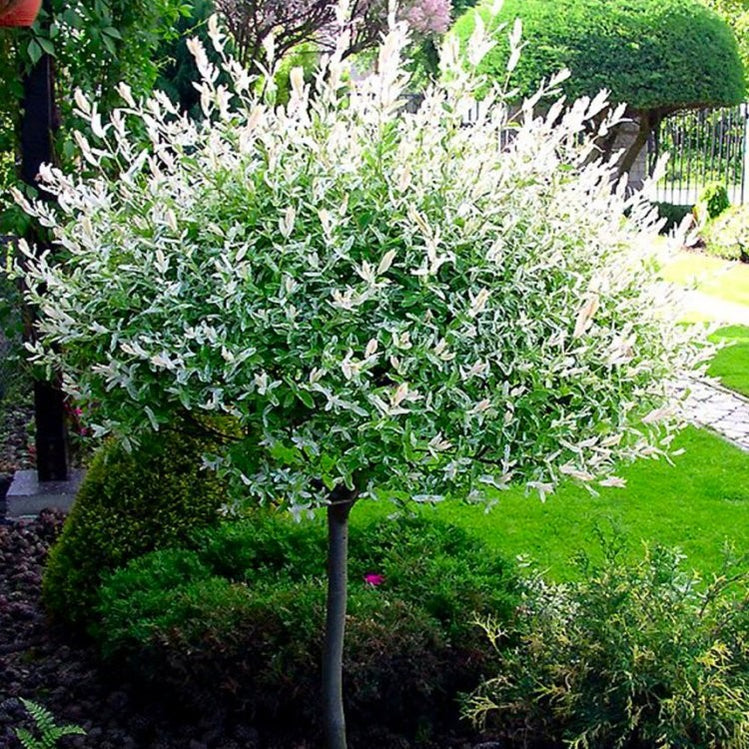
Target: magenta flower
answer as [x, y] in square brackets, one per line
[374, 580]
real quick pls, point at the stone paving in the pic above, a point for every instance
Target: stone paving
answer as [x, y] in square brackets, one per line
[726, 412]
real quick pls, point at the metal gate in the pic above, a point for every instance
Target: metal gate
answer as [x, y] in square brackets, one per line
[705, 146]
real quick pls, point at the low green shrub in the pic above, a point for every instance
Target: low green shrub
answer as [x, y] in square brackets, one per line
[727, 235]
[237, 620]
[634, 655]
[128, 504]
[712, 202]
[674, 214]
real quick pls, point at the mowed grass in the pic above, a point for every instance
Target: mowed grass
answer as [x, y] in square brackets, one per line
[698, 505]
[723, 279]
[731, 364]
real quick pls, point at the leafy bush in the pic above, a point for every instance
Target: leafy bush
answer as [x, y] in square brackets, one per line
[638, 655]
[650, 54]
[712, 202]
[234, 610]
[674, 214]
[727, 235]
[129, 503]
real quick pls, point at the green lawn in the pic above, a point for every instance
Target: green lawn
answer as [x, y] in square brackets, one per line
[698, 504]
[727, 281]
[731, 364]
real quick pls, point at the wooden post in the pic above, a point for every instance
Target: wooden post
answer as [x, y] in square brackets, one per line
[38, 124]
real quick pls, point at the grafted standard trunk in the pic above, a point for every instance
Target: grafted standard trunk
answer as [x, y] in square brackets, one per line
[341, 502]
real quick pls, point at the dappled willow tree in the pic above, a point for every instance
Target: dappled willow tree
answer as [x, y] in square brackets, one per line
[657, 56]
[386, 304]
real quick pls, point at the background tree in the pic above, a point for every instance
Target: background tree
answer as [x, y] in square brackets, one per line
[736, 14]
[657, 56]
[249, 22]
[177, 75]
[389, 305]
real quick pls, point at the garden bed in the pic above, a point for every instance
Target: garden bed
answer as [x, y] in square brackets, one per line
[42, 663]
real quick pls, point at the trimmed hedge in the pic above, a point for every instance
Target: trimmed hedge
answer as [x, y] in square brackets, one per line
[652, 54]
[674, 214]
[236, 622]
[128, 504]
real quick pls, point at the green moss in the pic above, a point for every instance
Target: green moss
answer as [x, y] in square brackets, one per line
[128, 504]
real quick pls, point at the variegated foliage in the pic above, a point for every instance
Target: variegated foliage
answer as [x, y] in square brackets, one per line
[389, 300]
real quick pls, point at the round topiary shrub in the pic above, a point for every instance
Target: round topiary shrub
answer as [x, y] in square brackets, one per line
[656, 56]
[234, 622]
[128, 504]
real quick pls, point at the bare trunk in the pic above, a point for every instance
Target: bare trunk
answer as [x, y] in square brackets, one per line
[630, 155]
[341, 502]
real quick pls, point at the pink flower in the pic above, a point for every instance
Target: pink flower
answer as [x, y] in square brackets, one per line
[373, 579]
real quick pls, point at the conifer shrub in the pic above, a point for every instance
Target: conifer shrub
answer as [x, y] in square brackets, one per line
[128, 504]
[632, 655]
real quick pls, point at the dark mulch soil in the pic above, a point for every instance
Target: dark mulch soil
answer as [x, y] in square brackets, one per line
[16, 452]
[40, 663]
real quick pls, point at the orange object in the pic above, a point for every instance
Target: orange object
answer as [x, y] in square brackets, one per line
[19, 12]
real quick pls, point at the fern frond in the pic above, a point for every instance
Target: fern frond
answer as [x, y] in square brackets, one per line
[49, 732]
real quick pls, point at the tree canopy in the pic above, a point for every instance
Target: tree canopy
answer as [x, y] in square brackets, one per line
[657, 56]
[736, 13]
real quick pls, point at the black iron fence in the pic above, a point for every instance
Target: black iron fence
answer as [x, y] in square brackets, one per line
[705, 146]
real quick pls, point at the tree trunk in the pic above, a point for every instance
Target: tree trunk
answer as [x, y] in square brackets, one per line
[630, 155]
[341, 502]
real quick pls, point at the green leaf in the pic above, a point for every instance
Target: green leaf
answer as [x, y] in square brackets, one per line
[47, 45]
[34, 51]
